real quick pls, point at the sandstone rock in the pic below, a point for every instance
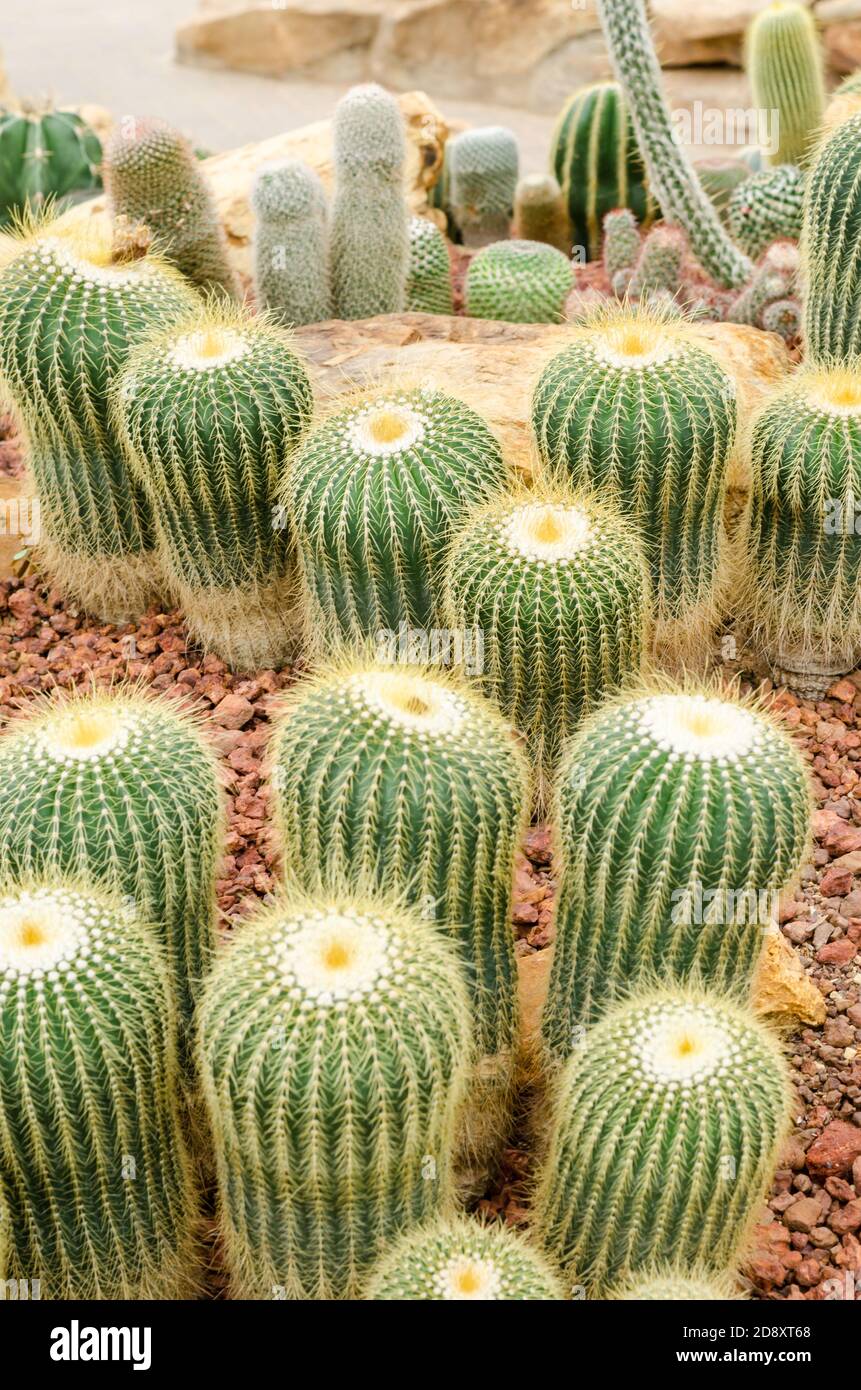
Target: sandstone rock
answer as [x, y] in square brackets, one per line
[233, 712]
[781, 986]
[838, 952]
[803, 1215]
[835, 1151]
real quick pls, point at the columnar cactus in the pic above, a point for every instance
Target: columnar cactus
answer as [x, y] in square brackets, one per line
[681, 816]
[802, 596]
[786, 67]
[594, 156]
[559, 586]
[671, 1284]
[429, 287]
[43, 155]
[291, 243]
[621, 248]
[72, 304]
[658, 442]
[122, 789]
[672, 177]
[482, 167]
[541, 212]
[374, 495]
[461, 1260]
[660, 263]
[210, 411]
[519, 281]
[765, 207]
[832, 227]
[152, 176]
[95, 1182]
[334, 1049]
[665, 1130]
[370, 237]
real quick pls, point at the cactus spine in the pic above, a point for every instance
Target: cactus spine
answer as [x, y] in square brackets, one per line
[559, 586]
[71, 307]
[670, 1284]
[152, 176]
[429, 287]
[519, 281]
[672, 177]
[210, 411]
[666, 1126]
[44, 155]
[459, 1260]
[291, 243]
[370, 236]
[767, 206]
[802, 596]
[830, 236]
[637, 410]
[681, 815]
[374, 495]
[482, 167]
[786, 67]
[334, 1049]
[541, 212]
[94, 1177]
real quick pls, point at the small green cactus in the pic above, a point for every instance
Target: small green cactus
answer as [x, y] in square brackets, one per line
[334, 1051]
[621, 248]
[44, 155]
[291, 243]
[121, 789]
[541, 212]
[461, 1260]
[783, 317]
[373, 496]
[210, 411]
[429, 287]
[660, 264]
[830, 236]
[72, 305]
[665, 1130]
[520, 282]
[681, 815]
[671, 1284]
[595, 158]
[482, 168]
[95, 1181]
[152, 176]
[559, 586]
[775, 278]
[370, 244]
[786, 67]
[767, 206]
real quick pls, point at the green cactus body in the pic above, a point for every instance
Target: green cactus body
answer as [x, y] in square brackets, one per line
[541, 212]
[660, 263]
[559, 586]
[334, 1050]
[621, 247]
[786, 67]
[482, 168]
[766, 207]
[830, 239]
[374, 496]
[71, 308]
[520, 282]
[291, 243]
[152, 176]
[672, 177]
[775, 278]
[681, 816]
[670, 1284]
[121, 789]
[783, 317]
[370, 243]
[594, 156]
[429, 288]
[665, 1130]
[802, 597]
[210, 411]
[44, 155]
[637, 410]
[94, 1177]
[458, 1260]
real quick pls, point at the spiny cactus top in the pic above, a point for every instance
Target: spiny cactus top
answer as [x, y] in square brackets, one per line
[44, 154]
[519, 281]
[95, 1181]
[459, 1260]
[681, 814]
[291, 243]
[830, 237]
[122, 788]
[671, 1284]
[334, 1051]
[785, 63]
[374, 495]
[665, 1130]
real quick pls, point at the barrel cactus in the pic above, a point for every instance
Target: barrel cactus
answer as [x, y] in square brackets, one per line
[334, 1048]
[482, 167]
[44, 155]
[374, 496]
[152, 176]
[830, 236]
[519, 281]
[682, 813]
[72, 305]
[459, 1260]
[635, 408]
[95, 1182]
[765, 207]
[541, 212]
[665, 1129]
[558, 584]
[291, 243]
[671, 1284]
[786, 66]
[209, 411]
[429, 287]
